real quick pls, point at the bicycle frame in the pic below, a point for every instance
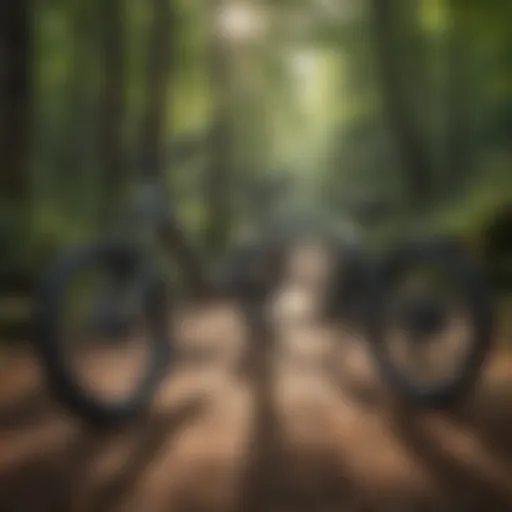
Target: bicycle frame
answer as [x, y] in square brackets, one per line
[137, 226]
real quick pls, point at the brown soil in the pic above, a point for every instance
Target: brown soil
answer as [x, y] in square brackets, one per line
[300, 424]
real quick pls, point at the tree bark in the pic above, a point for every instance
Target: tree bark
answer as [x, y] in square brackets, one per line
[157, 81]
[113, 38]
[458, 125]
[153, 137]
[219, 175]
[16, 97]
[412, 149]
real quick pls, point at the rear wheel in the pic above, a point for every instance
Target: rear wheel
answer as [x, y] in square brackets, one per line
[429, 322]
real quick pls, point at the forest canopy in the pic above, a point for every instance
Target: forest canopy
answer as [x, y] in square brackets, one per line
[242, 105]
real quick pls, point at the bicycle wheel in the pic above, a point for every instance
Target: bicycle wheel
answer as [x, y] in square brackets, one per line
[429, 322]
[105, 348]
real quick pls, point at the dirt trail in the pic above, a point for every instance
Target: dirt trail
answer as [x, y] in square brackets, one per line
[306, 428]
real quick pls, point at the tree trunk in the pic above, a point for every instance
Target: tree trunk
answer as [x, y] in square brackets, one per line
[153, 136]
[219, 176]
[458, 125]
[156, 98]
[76, 159]
[113, 37]
[412, 149]
[16, 90]
[15, 97]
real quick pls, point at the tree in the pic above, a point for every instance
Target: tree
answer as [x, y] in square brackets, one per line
[400, 115]
[112, 103]
[458, 122]
[218, 179]
[16, 88]
[153, 135]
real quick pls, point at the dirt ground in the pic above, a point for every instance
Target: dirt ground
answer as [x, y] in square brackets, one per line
[302, 426]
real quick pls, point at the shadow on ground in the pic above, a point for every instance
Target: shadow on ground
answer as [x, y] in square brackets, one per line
[374, 456]
[54, 473]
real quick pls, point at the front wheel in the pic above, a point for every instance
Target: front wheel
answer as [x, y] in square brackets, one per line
[102, 332]
[429, 323]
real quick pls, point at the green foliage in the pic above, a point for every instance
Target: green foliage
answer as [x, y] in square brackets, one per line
[305, 97]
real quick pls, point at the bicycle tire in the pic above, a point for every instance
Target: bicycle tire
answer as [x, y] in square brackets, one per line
[468, 278]
[49, 342]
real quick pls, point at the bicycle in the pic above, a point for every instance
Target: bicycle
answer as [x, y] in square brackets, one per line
[131, 291]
